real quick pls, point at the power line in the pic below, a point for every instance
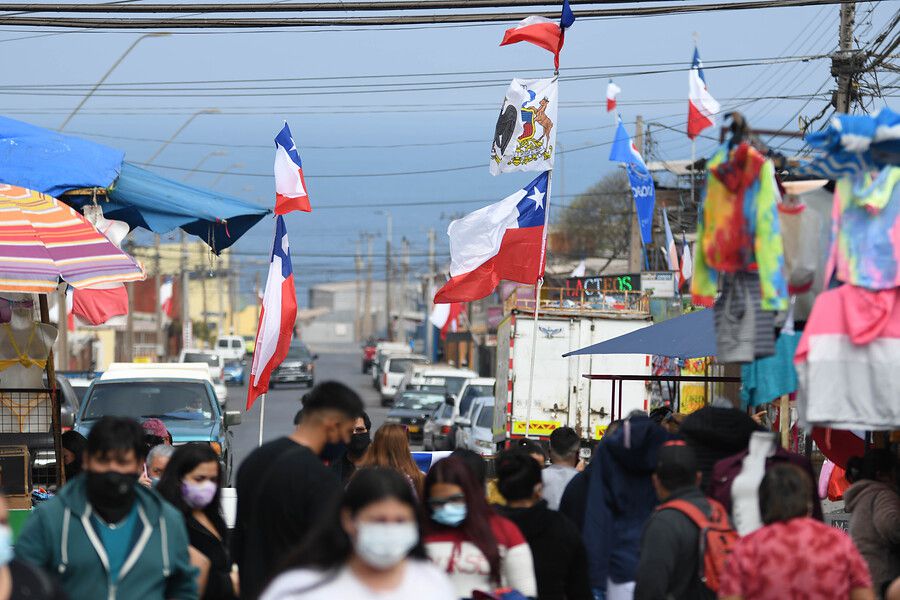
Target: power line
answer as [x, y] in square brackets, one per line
[276, 23]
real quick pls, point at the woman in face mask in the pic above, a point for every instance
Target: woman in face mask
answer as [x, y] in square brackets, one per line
[73, 444]
[368, 547]
[479, 549]
[19, 580]
[190, 482]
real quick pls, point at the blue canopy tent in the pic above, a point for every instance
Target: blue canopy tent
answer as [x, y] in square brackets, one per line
[55, 163]
[689, 336]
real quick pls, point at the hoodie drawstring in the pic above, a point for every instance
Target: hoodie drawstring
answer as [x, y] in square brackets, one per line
[165, 545]
[64, 544]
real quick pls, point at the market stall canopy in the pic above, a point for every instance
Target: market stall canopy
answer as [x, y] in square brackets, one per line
[144, 199]
[689, 336]
[43, 240]
[53, 163]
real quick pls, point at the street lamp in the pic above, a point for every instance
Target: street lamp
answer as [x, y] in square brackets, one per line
[225, 172]
[203, 160]
[205, 111]
[108, 73]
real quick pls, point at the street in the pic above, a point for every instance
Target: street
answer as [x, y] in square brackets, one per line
[338, 362]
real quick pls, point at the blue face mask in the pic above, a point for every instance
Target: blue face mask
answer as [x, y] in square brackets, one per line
[451, 514]
[6, 547]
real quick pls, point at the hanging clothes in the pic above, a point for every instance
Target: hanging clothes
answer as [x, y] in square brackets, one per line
[744, 331]
[866, 230]
[738, 227]
[767, 379]
[847, 361]
[98, 306]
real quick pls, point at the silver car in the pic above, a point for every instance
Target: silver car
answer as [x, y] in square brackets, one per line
[438, 431]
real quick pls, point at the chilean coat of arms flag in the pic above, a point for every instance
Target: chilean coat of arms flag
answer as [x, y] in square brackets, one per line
[277, 316]
[290, 186]
[525, 135]
[502, 241]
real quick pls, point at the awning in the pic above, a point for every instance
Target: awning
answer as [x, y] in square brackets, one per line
[144, 199]
[46, 161]
[689, 336]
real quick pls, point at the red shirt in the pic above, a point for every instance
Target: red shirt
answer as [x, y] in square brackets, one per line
[801, 559]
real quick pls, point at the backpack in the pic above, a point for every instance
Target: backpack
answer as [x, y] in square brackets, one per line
[717, 538]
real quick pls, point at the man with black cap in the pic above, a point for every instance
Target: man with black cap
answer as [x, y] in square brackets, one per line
[670, 558]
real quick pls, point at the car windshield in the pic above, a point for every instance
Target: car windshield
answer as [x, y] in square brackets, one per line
[80, 390]
[486, 417]
[454, 384]
[472, 392]
[398, 365]
[222, 344]
[234, 364]
[299, 353]
[201, 357]
[434, 389]
[175, 400]
[418, 401]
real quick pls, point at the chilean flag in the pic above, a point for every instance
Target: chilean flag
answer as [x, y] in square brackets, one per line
[501, 241]
[702, 107]
[612, 90]
[671, 250]
[165, 297]
[542, 32]
[290, 187]
[446, 317]
[277, 317]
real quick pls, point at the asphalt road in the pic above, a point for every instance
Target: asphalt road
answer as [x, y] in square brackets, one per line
[340, 363]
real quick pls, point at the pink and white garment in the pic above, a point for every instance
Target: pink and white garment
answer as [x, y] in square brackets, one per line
[104, 304]
[847, 361]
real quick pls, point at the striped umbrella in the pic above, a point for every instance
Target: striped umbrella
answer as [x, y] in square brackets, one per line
[43, 240]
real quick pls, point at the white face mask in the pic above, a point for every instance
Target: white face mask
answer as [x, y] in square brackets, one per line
[6, 547]
[383, 545]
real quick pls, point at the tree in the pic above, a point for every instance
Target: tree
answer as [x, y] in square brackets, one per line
[597, 222]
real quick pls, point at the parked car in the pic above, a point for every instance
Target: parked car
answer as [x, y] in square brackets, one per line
[438, 429]
[412, 409]
[392, 374]
[216, 369]
[231, 347]
[299, 366]
[382, 350]
[481, 435]
[433, 377]
[368, 357]
[480, 387]
[180, 395]
[234, 372]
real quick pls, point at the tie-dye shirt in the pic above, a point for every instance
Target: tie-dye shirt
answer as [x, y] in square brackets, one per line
[866, 230]
[738, 227]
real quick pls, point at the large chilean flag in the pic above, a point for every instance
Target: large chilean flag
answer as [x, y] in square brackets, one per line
[290, 186]
[702, 107]
[501, 241]
[277, 317]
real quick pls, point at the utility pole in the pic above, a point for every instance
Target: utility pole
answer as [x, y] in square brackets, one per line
[160, 337]
[220, 289]
[62, 355]
[368, 319]
[635, 258]
[357, 320]
[403, 300]
[388, 267]
[128, 246]
[233, 284]
[187, 326]
[203, 277]
[842, 64]
[429, 296]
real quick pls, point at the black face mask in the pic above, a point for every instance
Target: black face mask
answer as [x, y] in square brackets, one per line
[358, 444]
[111, 494]
[72, 469]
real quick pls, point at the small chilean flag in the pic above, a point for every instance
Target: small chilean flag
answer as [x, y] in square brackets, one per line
[542, 32]
[290, 187]
[446, 317]
[612, 90]
[166, 291]
[277, 317]
[702, 107]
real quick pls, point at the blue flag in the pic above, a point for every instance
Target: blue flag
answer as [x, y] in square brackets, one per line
[642, 188]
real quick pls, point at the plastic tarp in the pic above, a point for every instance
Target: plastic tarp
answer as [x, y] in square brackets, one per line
[144, 199]
[689, 336]
[45, 161]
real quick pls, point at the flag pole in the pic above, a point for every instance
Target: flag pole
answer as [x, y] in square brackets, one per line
[537, 305]
[693, 160]
[262, 417]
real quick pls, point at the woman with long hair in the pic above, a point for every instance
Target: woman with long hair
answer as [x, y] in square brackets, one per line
[191, 484]
[390, 449]
[370, 545]
[793, 555]
[477, 548]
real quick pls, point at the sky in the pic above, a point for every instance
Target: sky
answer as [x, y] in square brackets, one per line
[389, 124]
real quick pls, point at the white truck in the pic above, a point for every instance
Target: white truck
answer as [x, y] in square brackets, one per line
[562, 396]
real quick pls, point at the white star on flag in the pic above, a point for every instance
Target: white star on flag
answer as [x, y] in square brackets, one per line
[538, 197]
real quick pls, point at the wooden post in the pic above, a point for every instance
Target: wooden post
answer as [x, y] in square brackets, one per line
[55, 416]
[784, 421]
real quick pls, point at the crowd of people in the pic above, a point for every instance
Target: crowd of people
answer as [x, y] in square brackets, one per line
[663, 510]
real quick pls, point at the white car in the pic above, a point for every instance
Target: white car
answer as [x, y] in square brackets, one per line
[382, 351]
[231, 347]
[481, 438]
[445, 378]
[464, 407]
[216, 369]
[392, 374]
